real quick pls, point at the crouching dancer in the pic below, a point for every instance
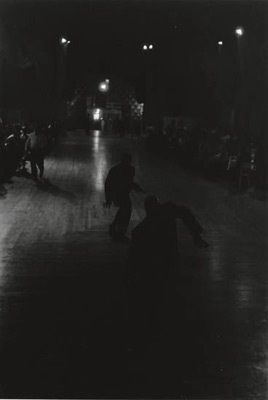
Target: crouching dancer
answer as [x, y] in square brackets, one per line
[153, 253]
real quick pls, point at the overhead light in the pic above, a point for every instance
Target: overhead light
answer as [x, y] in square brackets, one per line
[103, 86]
[220, 43]
[63, 40]
[239, 31]
[145, 47]
[151, 47]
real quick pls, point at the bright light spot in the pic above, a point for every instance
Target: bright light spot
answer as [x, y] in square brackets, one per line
[145, 47]
[63, 40]
[103, 86]
[151, 47]
[97, 114]
[68, 42]
[220, 43]
[239, 31]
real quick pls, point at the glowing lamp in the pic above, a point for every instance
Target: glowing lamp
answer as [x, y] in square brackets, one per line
[103, 86]
[239, 31]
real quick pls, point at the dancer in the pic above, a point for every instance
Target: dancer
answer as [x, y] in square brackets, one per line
[118, 185]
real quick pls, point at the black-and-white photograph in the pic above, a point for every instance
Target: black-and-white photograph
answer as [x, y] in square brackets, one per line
[133, 199]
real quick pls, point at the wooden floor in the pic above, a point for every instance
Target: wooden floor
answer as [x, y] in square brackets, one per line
[63, 301]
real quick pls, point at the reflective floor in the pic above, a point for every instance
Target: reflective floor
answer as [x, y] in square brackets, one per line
[62, 294]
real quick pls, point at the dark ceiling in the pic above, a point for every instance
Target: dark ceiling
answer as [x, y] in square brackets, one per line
[133, 21]
[108, 35]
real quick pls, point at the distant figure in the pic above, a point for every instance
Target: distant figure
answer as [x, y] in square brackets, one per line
[153, 254]
[118, 185]
[36, 145]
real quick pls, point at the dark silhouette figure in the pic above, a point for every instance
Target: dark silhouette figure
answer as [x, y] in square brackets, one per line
[156, 235]
[153, 254]
[118, 185]
[36, 146]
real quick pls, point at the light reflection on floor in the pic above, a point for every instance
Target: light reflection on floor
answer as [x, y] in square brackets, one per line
[100, 162]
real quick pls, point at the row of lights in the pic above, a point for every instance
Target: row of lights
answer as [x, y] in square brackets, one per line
[147, 47]
[239, 32]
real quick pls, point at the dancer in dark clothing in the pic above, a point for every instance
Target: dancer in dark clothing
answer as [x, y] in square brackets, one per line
[154, 241]
[156, 235]
[153, 254]
[118, 185]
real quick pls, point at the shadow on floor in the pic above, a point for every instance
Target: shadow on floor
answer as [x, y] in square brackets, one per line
[64, 320]
[64, 325]
[50, 188]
